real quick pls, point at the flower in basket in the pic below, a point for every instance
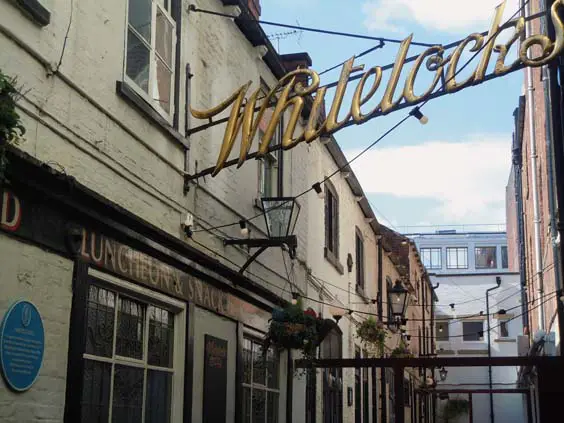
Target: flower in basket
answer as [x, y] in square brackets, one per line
[294, 328]
[372, 332]
[401, 351]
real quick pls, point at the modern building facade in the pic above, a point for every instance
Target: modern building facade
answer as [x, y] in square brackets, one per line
[150, 311]
[478, 291]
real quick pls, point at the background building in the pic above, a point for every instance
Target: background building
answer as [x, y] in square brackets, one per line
[465, 266]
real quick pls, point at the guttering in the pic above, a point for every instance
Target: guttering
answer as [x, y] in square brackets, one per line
[526, 9]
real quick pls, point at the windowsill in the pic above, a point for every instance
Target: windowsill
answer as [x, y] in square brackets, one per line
[505, 340]
[330, 257]
[36, 11]
[129, 95]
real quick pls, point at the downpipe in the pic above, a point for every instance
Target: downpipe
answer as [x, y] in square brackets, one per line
[534, 182]
[498, 281]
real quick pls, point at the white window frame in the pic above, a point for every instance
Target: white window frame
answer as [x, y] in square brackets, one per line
[449, 265]
[430, 250]
[179, 310]
[255, 336]
[148, 97]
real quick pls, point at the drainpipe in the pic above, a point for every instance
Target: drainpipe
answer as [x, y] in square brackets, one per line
[534, 182]
[498, 281]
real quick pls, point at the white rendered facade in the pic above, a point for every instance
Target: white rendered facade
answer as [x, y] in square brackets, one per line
[466, 265]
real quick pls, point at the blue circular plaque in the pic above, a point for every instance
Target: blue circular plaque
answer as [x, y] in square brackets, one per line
[22, 344]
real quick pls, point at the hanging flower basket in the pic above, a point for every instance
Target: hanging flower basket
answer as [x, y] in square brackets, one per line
[295, 328]
[11, 128]
[372, 332]
[401, 351]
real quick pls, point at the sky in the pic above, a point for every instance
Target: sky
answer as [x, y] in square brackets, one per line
[452, 171]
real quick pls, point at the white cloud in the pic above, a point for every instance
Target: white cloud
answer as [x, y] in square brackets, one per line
[467, 178]
[443, 15]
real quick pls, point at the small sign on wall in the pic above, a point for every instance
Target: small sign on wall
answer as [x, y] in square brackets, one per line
[215, 380]
[22, 345]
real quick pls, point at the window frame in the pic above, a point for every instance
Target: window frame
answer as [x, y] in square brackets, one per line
[504, 258]
[149, 297]
[504, 323]
[457, 266]
[431, 250]
[447, 331]
[480, 338]
[255, 340]
[476, 249]
[153, 55]
[331, 219]
[360, 267]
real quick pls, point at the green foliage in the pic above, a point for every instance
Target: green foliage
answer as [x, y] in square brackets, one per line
[294, 328]
[11, 128]
[401, 351]
[372, 332]
[454, 408]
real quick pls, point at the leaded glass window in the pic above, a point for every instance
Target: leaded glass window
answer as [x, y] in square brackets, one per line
[128, 369]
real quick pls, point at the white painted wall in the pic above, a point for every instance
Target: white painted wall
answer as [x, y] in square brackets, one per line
[45, 279]
[466, 288]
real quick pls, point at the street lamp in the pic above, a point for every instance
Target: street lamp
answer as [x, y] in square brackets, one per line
[397, 301]
[280, 215]
[443, 374]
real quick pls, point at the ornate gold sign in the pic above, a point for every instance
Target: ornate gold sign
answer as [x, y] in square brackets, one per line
[290, 94]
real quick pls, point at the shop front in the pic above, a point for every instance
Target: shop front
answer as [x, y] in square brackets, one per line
[138, 326]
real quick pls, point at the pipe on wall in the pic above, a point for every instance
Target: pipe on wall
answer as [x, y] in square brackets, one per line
[526, 9]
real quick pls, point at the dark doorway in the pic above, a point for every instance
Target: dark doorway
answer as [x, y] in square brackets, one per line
[332, 379]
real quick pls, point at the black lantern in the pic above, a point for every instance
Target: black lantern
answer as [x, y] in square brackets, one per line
[397, 300]
[443, 374]
[280, 215]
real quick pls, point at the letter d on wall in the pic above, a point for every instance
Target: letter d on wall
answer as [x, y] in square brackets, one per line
[11, 216]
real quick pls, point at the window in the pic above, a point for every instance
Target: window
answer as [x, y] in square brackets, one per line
[130, 360]
[331, 220]
[472, 331]
[359, 242]
[485, 257]
[151, 53]
[504, 258]
[442, 331]
[269, 167]
[261, 375]
[431, 258]
[457, 258]
[504, 328]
